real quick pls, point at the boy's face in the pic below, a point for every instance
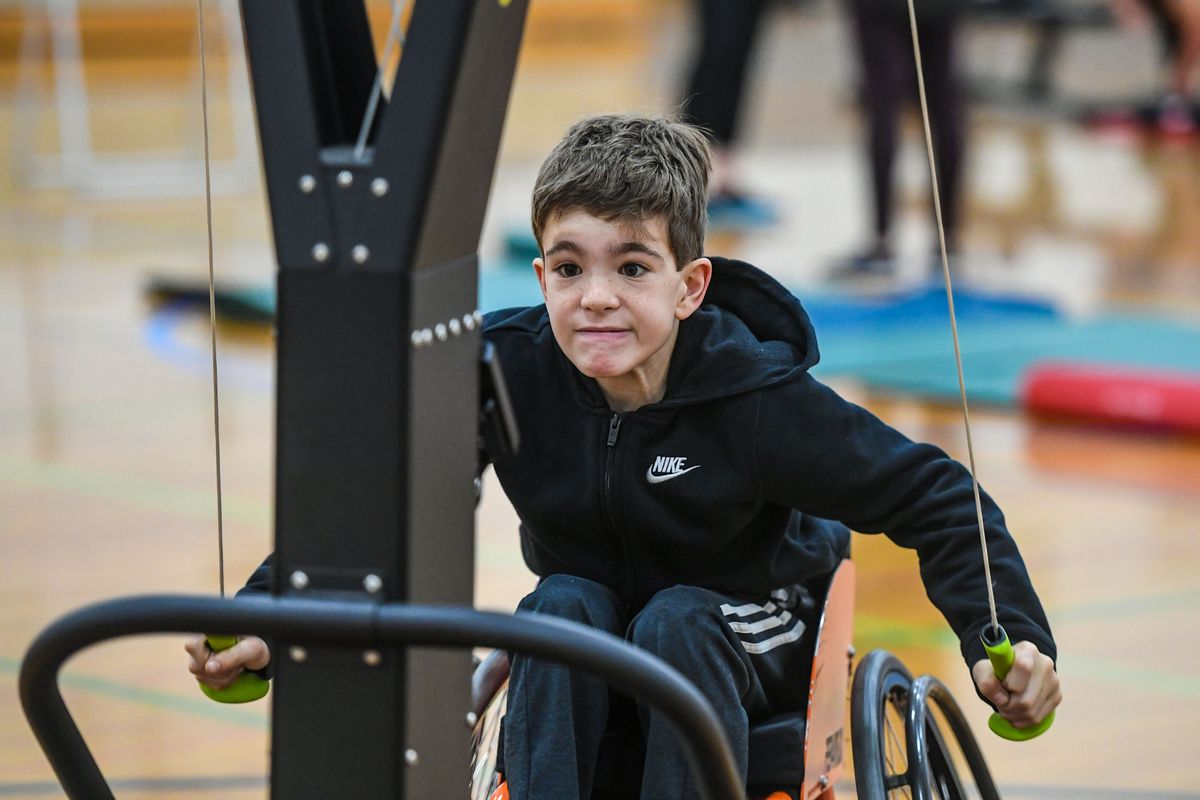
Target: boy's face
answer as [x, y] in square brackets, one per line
[615, 298]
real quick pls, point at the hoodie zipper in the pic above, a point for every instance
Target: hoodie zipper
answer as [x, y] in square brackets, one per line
[614, 430]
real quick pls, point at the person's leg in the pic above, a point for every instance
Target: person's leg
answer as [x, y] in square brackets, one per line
[713, 97]
[1178, 23]
[556, 717]
[685, 627]
[727, 648]
[1186, 62]
[1164, 23]
[947, 113]
[883, 82]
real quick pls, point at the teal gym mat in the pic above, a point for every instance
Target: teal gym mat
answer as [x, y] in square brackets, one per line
[919, 359]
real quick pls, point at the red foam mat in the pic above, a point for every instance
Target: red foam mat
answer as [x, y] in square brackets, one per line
[1125, 396]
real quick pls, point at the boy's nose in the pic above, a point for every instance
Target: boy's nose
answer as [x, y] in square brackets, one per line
[598, 294]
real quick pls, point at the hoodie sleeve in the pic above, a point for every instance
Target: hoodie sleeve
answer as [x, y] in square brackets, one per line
[825, 456]
[259, 585]
[259, 582]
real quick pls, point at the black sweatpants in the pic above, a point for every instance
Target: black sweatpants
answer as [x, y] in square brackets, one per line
[729, 30]
[888, 83]
[750, 659]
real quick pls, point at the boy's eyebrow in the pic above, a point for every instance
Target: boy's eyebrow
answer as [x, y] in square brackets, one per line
[635, 247]
[568, 246]
[565, 246]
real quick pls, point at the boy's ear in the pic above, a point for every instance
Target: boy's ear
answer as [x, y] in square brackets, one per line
[539, 267]
[695, 277]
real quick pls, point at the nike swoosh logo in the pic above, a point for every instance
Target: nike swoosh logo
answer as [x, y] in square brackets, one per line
[652, 478]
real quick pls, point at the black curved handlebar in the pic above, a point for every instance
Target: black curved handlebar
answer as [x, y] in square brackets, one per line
[633, 671]
[924, 689]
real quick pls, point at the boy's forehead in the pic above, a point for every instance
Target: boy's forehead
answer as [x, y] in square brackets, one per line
[650, 228]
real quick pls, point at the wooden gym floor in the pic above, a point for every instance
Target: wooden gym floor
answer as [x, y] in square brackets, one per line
[106, 450]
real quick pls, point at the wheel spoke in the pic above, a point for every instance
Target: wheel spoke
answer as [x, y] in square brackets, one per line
[895, 778]
[894, 745]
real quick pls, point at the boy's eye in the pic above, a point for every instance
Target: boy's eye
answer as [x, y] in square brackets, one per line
[632, 270]
[567, 269]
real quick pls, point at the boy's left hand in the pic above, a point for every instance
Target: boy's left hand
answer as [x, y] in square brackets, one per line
[1029, 692]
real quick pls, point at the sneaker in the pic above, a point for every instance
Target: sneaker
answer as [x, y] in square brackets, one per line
[869, 264]
[730, 209]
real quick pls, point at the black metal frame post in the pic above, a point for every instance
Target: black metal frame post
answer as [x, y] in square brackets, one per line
[378, 351]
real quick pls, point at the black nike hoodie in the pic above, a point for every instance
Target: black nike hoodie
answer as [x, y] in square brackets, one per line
[743, 478]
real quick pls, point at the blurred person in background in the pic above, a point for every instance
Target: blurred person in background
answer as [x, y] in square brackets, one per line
[714, 100]
[887, 82]
[1178, 23]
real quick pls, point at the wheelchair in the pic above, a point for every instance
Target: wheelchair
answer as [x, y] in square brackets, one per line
[908, 737]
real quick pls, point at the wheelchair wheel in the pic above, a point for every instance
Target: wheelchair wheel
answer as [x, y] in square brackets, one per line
[878, 709]
[880, 706]
[933, 712]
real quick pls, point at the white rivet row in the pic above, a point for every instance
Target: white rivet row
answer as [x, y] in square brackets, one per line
[444, 331]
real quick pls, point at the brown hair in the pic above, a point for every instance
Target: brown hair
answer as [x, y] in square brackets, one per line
[629, 168]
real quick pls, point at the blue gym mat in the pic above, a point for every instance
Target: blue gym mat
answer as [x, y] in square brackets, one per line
[919, 359]
[901, 341]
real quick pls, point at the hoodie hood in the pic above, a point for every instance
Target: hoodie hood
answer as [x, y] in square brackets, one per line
[749, 333]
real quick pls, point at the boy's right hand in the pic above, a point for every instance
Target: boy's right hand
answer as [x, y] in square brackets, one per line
[220, 670]
[1029, 692]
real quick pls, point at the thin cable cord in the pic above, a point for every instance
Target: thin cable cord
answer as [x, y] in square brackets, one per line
[962, 384]
[212, 297]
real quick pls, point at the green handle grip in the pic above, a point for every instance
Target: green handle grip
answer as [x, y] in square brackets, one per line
[246, 689]
[1000, 653]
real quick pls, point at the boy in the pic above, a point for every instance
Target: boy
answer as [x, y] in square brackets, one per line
[679, 469]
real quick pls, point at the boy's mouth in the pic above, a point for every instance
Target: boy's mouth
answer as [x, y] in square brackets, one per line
[601, 334]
